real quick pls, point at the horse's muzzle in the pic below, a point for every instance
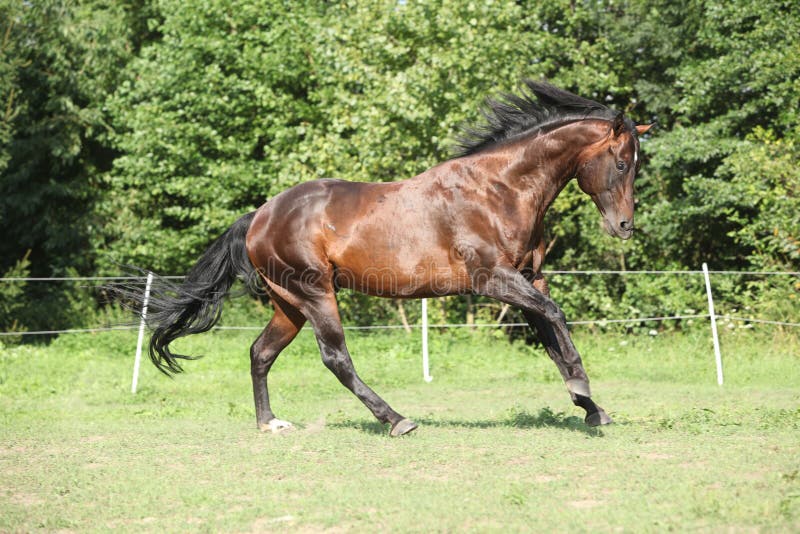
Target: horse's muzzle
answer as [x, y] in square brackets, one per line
[622, 229]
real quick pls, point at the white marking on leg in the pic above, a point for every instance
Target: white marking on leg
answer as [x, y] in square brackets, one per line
[579, 387]
[276, 425]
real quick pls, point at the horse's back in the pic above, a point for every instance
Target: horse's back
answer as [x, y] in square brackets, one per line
[313, 218]
[312, 204]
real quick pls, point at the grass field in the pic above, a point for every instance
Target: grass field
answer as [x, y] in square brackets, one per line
[499, 448]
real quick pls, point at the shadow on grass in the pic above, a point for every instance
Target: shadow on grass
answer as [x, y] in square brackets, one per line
[545, 418]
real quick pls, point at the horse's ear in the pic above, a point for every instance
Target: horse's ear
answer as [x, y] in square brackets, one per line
[644, 128]
[618, 126]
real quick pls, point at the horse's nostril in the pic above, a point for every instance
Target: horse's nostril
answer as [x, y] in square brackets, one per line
[625, 225]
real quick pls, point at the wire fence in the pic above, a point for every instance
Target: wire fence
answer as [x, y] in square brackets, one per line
[424, 326]
[600, 322]
[574, 272]
[401, 327]
[595, 272]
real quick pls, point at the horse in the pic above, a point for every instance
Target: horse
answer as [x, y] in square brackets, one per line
[471, 224]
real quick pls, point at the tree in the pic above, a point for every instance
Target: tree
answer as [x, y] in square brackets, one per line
[136, 131]
[734, 75]
[238, 102]
[206, 123]
[58, 62]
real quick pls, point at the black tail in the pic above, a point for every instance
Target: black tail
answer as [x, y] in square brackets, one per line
[194, 306]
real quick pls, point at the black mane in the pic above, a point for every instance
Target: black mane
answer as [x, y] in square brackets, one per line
[540, 105]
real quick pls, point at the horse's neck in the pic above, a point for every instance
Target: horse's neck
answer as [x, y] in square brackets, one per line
[540, 166]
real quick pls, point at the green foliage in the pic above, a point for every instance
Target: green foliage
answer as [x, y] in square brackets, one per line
[10, 61]
[717, 184]
[735, 74]
[765, 184]
[238, 102]
[135, 131]
[203, 119]
[59, 61]
[12, 300]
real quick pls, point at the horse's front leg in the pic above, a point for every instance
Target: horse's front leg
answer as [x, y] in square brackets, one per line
[543, 314]
[571, 367]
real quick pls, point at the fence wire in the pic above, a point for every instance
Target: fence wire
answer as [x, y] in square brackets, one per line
[580, 273]
[417, 326]
[438, 326]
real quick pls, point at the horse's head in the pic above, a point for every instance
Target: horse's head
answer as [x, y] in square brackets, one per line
[606, 170]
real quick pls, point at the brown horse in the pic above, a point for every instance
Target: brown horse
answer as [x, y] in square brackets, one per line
[471, 224]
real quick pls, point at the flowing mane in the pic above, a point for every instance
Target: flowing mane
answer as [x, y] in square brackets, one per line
[538, 107]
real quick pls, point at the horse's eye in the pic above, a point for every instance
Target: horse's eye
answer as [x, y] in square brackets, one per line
[620, 165]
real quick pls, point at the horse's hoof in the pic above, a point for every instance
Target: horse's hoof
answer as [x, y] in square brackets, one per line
[598, 418]
[404, 426]
[275, 426]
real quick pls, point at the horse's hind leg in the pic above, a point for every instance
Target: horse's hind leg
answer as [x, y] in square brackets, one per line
[323, 314]
[281, 330]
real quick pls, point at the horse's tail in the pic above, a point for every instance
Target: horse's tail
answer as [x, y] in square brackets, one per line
[195, 306]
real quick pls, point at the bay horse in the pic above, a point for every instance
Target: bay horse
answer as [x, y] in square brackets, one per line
[473, 223]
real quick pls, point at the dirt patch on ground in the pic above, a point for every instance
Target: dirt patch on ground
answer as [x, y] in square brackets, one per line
[23, 499]
[6, 451]
[657, 456]
[584, 503]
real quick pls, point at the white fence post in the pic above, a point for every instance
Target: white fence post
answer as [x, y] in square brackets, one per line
[713, 315]
[137, 361]
[426, 371]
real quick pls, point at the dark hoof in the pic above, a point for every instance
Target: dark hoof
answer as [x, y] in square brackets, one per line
[404, 426]
[598, 418]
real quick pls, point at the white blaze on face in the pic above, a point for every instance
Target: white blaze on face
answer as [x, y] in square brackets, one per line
[635, 154]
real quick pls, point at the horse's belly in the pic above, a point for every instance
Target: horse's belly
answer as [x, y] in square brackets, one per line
[399, 277]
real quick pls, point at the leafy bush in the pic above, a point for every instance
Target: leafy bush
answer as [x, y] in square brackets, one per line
[12, 300]
[135, 132]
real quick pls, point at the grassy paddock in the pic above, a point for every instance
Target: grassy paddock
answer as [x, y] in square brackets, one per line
[500, 446]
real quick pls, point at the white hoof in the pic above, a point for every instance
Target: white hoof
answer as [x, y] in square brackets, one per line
[276, 425]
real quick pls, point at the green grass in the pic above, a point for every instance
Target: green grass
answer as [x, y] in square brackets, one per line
[499, 448]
